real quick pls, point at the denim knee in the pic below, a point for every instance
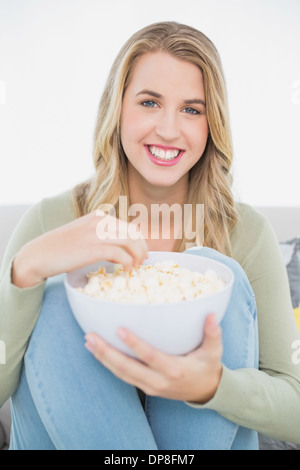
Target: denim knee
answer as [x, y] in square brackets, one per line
[239, 324]
[241, 281]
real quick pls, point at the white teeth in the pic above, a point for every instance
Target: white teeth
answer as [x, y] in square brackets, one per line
[162, 154]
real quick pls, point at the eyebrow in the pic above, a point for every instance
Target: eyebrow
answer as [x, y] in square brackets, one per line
[157, 95]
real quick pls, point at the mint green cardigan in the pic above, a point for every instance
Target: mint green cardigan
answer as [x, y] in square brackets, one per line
[267, 399]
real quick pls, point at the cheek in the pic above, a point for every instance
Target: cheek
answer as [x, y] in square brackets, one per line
[133, 128]
[198, 136]
[126, 131]
[136, 121]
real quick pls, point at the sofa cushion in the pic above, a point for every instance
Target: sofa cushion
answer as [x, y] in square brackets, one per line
[291, 254]
[290, 251]
[5, 424]
[2, 436]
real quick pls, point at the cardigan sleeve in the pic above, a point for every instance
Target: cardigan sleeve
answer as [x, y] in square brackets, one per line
[19, 308]
[268, 399]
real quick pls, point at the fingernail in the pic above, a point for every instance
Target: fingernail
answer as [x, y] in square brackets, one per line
[213, 320]
[90, 343]
[89, 347]
[122, 334]
[90, 339]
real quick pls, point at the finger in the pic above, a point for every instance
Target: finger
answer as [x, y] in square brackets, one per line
[135, 246]
[155, 359]
[212, 335]
[116, 254]
[109, 227]
[119, 234]
[123, 366]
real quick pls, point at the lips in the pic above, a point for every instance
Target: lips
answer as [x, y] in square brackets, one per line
[162, 155]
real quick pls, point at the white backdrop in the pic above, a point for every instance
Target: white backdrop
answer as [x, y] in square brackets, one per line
[54, 60]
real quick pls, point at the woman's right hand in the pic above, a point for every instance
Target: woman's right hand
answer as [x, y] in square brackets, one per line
[86, 240]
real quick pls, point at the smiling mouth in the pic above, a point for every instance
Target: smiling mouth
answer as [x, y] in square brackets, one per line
[164, 155]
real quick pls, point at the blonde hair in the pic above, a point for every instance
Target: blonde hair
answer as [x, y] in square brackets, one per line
[210, 179]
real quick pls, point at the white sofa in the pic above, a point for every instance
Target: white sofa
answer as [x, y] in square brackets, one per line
[285, 220]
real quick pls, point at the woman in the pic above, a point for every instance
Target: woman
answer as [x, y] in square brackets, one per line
[162, 136]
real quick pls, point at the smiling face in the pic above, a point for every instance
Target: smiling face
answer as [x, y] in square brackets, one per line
[164, 127]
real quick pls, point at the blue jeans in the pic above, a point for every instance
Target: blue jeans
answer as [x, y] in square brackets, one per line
[66, 399]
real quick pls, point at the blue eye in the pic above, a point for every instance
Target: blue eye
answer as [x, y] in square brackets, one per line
[191, 111]
[149, 104]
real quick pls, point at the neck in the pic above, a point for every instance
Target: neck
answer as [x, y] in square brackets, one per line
[150, 198]
[143, 192]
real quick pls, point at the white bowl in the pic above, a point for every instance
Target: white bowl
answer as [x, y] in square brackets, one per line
[174, 328]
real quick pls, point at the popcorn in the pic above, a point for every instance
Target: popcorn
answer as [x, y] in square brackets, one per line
[162, 282]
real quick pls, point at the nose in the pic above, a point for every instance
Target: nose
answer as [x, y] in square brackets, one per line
[167, 126]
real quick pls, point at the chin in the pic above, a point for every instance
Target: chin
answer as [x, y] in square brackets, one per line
[162, 182]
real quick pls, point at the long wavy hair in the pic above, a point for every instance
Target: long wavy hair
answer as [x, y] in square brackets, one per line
[210, 179]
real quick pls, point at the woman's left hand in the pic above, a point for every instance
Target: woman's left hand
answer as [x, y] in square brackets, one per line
[193, 377]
